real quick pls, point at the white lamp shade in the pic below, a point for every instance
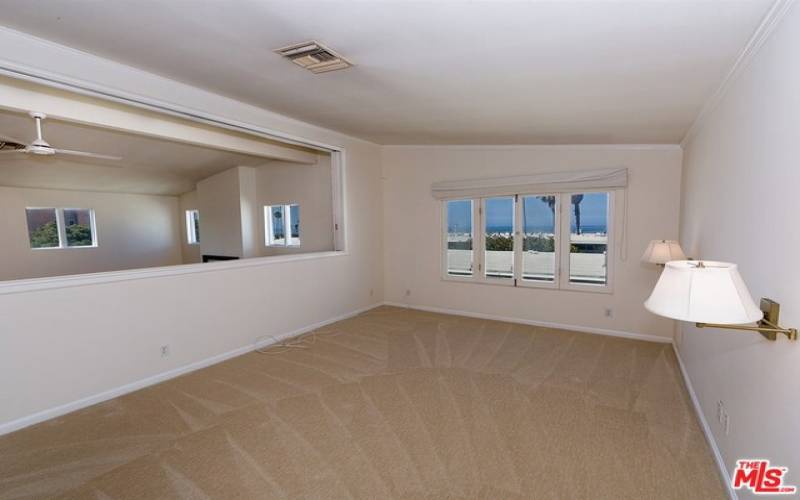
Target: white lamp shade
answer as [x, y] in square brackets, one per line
[663, 251]
[711, 292]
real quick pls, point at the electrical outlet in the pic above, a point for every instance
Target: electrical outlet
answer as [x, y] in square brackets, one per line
[609, 312]
[164, 351]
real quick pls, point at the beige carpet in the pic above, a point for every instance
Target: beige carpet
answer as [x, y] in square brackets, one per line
[390, 404]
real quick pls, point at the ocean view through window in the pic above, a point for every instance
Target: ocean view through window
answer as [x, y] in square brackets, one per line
[498, 237]
[588, 238]
[459, 257]
[539, 238]
[520, 242]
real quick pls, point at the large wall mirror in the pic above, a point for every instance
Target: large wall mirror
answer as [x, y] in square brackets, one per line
[120, 200]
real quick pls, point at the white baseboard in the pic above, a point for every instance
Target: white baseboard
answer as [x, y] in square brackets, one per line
[63, 409]
[546, 324]
[712, 443]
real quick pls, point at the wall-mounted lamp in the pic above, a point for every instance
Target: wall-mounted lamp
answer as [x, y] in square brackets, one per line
[660, 252]
[713, 294]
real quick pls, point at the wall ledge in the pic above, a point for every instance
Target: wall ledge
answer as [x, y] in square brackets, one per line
[50, 283]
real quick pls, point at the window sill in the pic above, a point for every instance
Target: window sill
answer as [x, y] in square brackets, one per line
[35, 284]
[65, 248]
[606, 289]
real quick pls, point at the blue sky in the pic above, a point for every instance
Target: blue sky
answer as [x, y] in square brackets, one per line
[499, 212]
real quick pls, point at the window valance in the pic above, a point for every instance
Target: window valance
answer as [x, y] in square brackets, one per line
[554, 182]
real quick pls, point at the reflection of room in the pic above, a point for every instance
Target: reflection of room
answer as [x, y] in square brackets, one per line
[242, 211]
[164, 203]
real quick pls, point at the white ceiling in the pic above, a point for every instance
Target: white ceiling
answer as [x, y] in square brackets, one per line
[149, 165]
[446, 72]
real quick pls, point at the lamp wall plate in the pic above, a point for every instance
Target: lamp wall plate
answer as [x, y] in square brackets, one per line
[772, 312]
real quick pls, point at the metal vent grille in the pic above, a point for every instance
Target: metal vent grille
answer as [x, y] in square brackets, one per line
[314, 57]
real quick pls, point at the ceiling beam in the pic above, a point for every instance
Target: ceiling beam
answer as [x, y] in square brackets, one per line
[24, 96]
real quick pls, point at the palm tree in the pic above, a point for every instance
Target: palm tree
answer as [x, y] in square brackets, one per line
[576, 200]
[551, 202]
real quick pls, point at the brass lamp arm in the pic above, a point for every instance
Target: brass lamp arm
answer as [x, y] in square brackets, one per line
[770, 330]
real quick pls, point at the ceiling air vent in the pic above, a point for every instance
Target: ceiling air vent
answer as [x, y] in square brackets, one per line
[314, 57]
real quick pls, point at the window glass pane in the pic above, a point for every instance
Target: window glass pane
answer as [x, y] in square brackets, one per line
[538, 247]
[277, 225]
[78, 227]
[294, 224]
[499, 235]
[459, 238]
[42, 227]
[588, 238]
[196, 225]
[193, 226]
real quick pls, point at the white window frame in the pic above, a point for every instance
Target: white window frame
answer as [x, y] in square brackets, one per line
[493, 280]
[475, 262]
[62, 229]
[562, 221]
[519, 232]
[287, 226]
[564, 271]
[191, 222]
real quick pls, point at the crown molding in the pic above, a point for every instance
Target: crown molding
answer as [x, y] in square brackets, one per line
[771, 20]
[542, 147]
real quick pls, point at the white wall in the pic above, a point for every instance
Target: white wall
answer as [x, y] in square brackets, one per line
[133, 231]
[413, 225]
[741, 204]
[310, 187]
[116, 329]
[220, 199]
[248, 207]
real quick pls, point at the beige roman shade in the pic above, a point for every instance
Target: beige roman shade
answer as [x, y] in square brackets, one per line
[554, 182]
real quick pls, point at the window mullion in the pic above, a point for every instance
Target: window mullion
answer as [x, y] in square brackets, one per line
[519, 238]
[557, 241]
[564, 245]
[480, 248]
[287, 224]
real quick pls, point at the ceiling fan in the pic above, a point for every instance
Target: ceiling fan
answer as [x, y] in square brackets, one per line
[40, 147]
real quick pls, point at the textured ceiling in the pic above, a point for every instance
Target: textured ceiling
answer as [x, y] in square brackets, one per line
[432, 72]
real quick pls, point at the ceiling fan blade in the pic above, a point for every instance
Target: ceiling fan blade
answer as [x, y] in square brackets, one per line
[8, 151]
[8, 138]
[88, 155]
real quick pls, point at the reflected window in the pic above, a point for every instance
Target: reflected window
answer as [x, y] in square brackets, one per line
[193, 227]
[282, 225]
[61, 227]
[459, 238]
[43, 230]
[79, 227]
